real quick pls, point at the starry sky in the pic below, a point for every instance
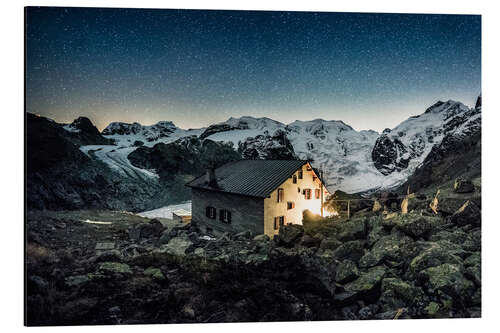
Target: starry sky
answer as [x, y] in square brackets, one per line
[197, 68]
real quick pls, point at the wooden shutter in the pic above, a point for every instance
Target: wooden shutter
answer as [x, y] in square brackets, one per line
[317, 193]
[276, 223]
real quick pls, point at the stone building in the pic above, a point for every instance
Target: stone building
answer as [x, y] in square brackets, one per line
[256, 195]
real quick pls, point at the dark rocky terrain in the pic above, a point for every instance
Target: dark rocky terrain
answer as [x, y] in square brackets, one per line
[380, 264]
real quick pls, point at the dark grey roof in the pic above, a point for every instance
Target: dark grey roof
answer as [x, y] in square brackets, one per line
[257, 178]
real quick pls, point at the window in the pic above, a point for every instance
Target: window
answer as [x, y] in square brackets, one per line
[211, 212]
[317, 193]
[300, 174]
[278, 222]
[290, 205]
[294, 178]
[280, 195]
[314, 178]
[298, 189]
[225, 216]
[307, 193]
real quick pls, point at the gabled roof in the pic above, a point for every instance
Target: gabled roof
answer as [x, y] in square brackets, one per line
[256, 178]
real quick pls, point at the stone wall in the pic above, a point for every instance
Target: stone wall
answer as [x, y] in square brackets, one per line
[247, 213]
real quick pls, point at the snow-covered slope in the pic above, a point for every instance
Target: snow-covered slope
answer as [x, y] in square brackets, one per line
[353, 161]
[398, 152]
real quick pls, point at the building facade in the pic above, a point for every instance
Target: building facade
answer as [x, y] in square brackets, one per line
[256, 195]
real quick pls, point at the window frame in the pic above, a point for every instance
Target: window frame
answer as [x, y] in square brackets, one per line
[208, 211]
[280, 195]
[225, 216]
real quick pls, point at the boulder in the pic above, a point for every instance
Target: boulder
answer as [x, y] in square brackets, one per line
[415, 227]
[110, 267]
[433, 255]
[155, 273]
[352, 250]
[367, 282]
[388, 248]
[290, 234]
[330, 243]
[469, 213]
[463, 186]
[447, 278]
[261, 238]
[351, 230]
[177, 246]
[346, 272]
[76, 280]
[309, 241]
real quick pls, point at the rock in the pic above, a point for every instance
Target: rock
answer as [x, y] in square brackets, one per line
[396, 287]
[177, 246]
[463, 186]
[367, 282]
[290, 234]
[330, 243]
[244, 235]
[448, 205]
[388, 248]
[469, 213]
[351, 230]
[346, 272]
[155, 273]
[432, 309]
[352, 250]
[309, 241]
[37, 285]
[76, 280]
[473, 273]
[157, 226]
[449, 279]
[473, 260]
[261, 238]
[110, 255]
[114, 268]
[433, 255]
[415, 227]
[165, 237]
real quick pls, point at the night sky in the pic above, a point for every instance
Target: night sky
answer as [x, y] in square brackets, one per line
[200, 67]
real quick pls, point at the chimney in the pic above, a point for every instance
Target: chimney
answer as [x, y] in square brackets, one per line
[212, 182]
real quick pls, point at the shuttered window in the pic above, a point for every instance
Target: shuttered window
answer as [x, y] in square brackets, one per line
[317, 193]
[290, 205]
[280, 195]
[278, 222]
[211, 212]
[307, 194]
[225, 216]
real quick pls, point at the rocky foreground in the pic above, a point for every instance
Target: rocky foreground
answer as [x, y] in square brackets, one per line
[377, 265]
